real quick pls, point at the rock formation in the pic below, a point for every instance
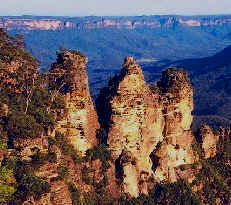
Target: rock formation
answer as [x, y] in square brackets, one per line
[78, 121]
[209, 141]
[136, 127]
[176, 149]
[148, 130]
[145, 138]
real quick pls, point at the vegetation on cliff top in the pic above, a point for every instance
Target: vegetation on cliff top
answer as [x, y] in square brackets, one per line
[27, 112]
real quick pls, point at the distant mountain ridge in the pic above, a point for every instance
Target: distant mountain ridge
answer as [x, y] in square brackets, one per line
[154, 41]
[92, 22]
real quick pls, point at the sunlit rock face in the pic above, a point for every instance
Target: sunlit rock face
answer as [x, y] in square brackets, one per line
[31, 24]
[57, 23]
[79, 121]
[136, 126]
[176, 149]
[149, 131]
[209, 141]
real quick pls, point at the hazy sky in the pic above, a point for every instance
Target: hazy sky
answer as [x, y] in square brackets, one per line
[113, 7]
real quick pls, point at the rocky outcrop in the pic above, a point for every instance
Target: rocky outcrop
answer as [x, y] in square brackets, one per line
[176, 149]
[209, 141]
[136, 126]
[149, 131]
[60, 194]
[30, 147]
[78, 121]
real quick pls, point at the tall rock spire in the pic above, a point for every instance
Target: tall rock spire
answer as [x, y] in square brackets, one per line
[176, 149]
[148, 130]
[136, 125]
[79, 121]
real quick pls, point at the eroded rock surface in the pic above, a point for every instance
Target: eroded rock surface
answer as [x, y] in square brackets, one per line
[149, 131]
[79, 121]
[136, 126]
[176, 150]
[209, 141]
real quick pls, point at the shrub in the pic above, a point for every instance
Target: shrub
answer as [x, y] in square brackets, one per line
[75, 194]
[3, 144]
[20, 125]
[6, 191]
[62, 171]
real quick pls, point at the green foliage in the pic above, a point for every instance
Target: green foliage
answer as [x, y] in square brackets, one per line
[62, 171]
[58, 102]
[40, 117]
[27, 183]
[12, 49]
[35, 186]
[197, 149]
[214, 184]
[6, 174]
[6, 191]
[3, 144]
[21, 125]
[7, 184]
[85, 175]
[75, 194]
[100, 198]
[31, 108]
[43, 108]
[100, 152]
[10, 163]
[165, 193]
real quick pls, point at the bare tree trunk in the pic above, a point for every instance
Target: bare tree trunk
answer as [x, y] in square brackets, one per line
[29, 95]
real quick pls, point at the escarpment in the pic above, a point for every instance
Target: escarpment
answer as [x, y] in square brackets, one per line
[60, 23]
[79, 120]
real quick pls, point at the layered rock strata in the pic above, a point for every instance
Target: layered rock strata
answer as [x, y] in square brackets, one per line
[149, 130]
[61, 23]
[176, 149]
[136, 127]
[78, 121]
[209, 141]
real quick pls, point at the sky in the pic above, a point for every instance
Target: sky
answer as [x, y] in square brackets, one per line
[113, 7]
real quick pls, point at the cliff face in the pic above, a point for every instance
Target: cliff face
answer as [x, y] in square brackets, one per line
[79, 121]
[176, 149]
[149, 131]
[209, 140]
[136, 127]
[53, 23]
